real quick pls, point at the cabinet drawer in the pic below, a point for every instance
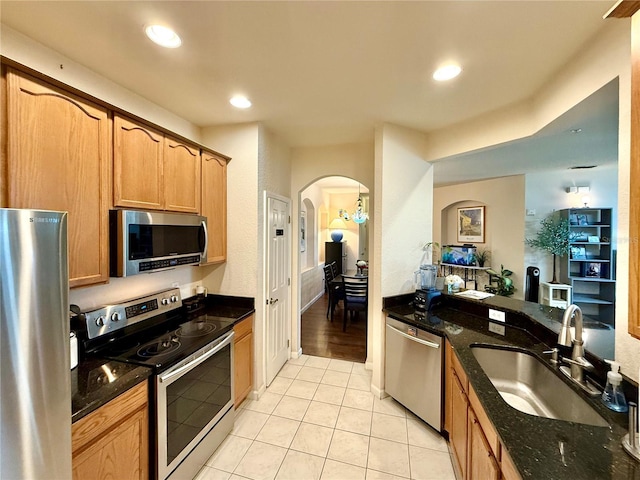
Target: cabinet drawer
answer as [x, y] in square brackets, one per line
[97, 423]
[243, 328]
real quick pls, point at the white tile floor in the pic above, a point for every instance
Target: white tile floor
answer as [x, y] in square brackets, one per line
[318, 420]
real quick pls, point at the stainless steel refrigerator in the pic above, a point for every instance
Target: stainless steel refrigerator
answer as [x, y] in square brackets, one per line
[35, 387]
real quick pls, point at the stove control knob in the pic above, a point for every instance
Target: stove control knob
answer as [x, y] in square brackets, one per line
[115, 316]
[165, 301]
[100, 321]
[174, 298]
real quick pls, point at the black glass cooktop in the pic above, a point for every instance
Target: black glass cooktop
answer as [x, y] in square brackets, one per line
[161, 347]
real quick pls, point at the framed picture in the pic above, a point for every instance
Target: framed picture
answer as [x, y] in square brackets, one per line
[582, 219]
[303, 231]
[593, 239]
[593, 270]
[578, 253]
[471, 225]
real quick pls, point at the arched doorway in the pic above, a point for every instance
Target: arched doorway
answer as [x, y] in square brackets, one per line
[321, 202]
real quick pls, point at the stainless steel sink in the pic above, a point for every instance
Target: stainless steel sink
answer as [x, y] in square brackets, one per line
[528, 385]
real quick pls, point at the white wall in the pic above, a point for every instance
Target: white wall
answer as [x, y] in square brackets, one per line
[403, 210]
[595, 65]
[546, 192]
[240, 275]
[503, 199]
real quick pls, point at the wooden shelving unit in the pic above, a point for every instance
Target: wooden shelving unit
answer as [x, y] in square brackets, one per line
[590, 267]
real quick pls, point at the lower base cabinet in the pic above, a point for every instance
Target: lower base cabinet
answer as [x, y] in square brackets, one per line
[243, 359]
[113, 441]
[477, 451]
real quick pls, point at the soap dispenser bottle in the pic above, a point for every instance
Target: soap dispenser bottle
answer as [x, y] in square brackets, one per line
[613, 396]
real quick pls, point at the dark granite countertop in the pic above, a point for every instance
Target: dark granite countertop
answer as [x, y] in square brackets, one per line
[96, 381]
[540, 448]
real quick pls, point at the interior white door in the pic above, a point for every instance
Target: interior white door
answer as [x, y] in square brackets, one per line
[277, 335]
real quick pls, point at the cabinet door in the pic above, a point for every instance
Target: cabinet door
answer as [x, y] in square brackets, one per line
[121, 453]
[214, 205]
[59, 149]
[482, 465]
[458, 434]
[137, 165]
[243, 360]
[181, 176]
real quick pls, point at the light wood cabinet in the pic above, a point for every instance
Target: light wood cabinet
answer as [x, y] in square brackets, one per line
[214, 205]
[153, 171]
[58, 152]
[113, 441]
[459, 425]
[243, 359]
[634, 179]
[477, 451]
[181, 176]
[481, 462]
[138, 164]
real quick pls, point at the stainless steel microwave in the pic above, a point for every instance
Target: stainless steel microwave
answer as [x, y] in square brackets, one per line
[145, 242]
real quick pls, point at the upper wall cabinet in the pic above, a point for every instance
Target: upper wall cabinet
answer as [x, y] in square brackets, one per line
[214, 205]
[154, 172]
[181, 176]
[58, 150]
[137, 165]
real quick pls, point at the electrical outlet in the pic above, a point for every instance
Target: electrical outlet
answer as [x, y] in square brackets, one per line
[531, 212]
[495, 328]
[496, 315]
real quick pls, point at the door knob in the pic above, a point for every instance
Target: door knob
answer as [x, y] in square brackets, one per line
[272, 301]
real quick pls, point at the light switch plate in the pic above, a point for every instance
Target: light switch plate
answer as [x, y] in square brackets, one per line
[495, 328]
[496, 315]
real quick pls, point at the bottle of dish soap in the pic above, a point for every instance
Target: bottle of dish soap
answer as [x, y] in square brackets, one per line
[613, 396]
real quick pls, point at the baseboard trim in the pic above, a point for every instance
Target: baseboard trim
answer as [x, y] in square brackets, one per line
[315, 299]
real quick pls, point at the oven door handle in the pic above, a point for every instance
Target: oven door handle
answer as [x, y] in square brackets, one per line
[223, 342]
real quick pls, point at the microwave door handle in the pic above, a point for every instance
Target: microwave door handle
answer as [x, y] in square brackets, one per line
[203, 224]
[197, 361]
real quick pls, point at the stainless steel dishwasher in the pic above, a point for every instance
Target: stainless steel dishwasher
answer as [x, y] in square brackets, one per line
[413, 370]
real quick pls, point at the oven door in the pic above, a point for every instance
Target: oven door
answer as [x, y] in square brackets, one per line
[191, 397]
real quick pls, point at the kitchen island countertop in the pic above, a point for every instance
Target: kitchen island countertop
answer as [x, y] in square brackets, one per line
[540, 448]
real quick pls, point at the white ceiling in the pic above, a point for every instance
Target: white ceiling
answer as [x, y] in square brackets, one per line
[320, 72]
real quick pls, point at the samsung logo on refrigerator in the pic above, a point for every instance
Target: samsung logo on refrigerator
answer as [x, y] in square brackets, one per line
[44, 220]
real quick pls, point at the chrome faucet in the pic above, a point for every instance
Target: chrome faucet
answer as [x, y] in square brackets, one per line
[578, 364]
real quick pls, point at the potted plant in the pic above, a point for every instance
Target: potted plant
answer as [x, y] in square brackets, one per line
[554, 237]
[483, 256]
[503, 284]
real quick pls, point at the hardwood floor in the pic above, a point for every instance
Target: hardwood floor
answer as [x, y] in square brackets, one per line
[323, 338]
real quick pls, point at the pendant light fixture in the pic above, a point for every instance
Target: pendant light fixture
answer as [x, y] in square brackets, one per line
[359, 216]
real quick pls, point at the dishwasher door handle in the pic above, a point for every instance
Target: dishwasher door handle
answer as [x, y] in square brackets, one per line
[414, 339]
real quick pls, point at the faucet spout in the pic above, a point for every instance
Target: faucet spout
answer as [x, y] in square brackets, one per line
[578, 364]
[564, 337]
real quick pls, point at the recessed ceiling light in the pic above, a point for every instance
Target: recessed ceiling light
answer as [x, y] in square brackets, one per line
[447, 72]
[240, 102]
[576, 130]
[163, 36]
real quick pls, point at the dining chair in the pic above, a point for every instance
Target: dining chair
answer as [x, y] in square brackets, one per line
[356, 296]
[334, 290]
[334, 268]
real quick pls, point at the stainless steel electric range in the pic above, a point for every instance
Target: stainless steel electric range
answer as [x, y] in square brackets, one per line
[191, 355]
